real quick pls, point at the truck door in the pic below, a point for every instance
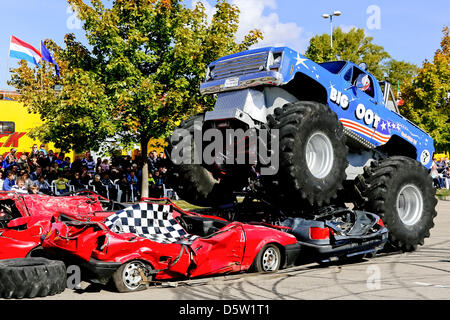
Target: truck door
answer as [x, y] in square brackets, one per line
[362, 114]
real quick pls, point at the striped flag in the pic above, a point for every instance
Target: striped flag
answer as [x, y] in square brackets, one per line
[21, 50]
[47, 56]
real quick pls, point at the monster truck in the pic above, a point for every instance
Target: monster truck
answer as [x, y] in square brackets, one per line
[335, 129]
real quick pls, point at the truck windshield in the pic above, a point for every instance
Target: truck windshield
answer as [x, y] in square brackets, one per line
[333, 66]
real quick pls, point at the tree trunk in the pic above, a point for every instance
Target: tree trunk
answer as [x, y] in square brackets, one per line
[144, 182]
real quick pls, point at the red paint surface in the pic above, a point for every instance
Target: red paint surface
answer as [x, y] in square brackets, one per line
[231, 249]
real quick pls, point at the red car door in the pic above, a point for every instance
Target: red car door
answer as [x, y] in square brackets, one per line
[219, 253]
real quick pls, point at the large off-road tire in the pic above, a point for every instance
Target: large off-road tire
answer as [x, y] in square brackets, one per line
[31, 277]
[128, 278]
[193, 182]
[400, 190]
[312, 150]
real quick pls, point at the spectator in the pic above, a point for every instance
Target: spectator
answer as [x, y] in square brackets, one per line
[114, 174]
[13, 154]
[43, 185]
[23, 162]
[43, 160]
[15, 169]
[65, 164]
[446, 176]
[125, 188]
[9, 181]
[134, 183]
[90, 164]
[42, 149]
[162, 173]
[126, 163]
[59, 160]
[76, 165]
[99, 162]
[52, 175]
[85, 176]
[36, 174]
[99, 187]
[151, 185]
[66, 173]
[20, 187]
[106, 181]
[34, 151]
[28, 182]
[158, 185]
[440, 165]
[51, 157]
[161, 160]
[35, 189]
[76, 181]
[105, 165]
[9, 161]
[152, 161]
[61, 184]
[33, 163]
[1, 180]
[99, 170]
[438, 180]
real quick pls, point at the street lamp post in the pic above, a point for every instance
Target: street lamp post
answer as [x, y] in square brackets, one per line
[330, 15]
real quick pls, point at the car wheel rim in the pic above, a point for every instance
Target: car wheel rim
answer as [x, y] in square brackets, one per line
[131, 276]
[409, 204]
[270, 260]
[319, 155]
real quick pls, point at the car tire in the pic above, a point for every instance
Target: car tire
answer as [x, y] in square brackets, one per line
[268, 259]
[399, 190]
[193, 182]
[128, 277]
[312, 151]
[31, 277]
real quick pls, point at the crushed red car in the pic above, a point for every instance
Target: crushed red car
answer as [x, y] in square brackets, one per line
[25, 218]
[153, 241]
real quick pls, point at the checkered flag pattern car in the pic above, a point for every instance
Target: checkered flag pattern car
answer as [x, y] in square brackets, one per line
[149, 220]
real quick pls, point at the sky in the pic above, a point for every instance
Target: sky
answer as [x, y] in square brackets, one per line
[408, 30]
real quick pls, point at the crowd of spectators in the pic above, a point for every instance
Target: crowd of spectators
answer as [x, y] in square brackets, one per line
[44, 172]
[440, 172]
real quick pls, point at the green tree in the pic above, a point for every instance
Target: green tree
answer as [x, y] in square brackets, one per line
[400, 72]
[141, 76]
[354, 46]
[427, 97]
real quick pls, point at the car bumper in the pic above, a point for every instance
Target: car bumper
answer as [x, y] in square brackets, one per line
[99, 271]
[353, 247]
[292, 252]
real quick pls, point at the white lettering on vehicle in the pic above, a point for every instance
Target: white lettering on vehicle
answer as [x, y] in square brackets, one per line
[370, 117]
[339, 98]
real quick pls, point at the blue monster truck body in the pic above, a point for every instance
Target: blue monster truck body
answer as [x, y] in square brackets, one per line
[339, 138]
[369, 118]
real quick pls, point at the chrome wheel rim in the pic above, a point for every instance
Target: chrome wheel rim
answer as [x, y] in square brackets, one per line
[409, 204]
[319, 155]
[270, 260]
[131, 276]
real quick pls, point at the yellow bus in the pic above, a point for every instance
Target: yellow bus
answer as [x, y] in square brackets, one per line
[15, 125]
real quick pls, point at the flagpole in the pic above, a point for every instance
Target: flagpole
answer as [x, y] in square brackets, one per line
[7, 62]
